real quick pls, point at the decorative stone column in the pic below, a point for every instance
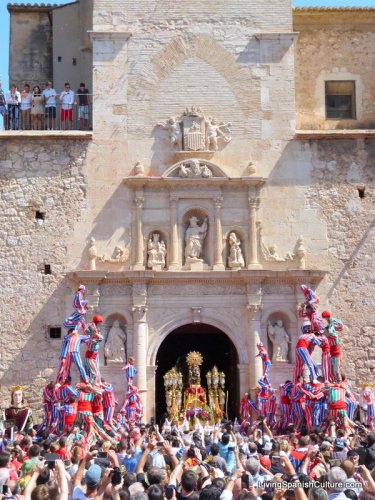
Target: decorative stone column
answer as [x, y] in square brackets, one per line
[253, 262]
[140, 328]
[139, 201]
[218, 259]
[173, 264]
[254, 322]
[243, 371]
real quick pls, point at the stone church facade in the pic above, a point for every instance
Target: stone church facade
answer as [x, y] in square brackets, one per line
[211, 187]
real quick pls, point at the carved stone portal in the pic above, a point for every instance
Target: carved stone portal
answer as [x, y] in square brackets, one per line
[192, 131]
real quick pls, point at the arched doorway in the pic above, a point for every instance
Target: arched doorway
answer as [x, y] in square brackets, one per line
[216, 349]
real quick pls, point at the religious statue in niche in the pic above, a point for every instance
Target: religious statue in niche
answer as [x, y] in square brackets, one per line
[156, 251]
[115, 347]
[235, 258]
[192, 131]
[195, 235]
[280, 340]
[194, 169]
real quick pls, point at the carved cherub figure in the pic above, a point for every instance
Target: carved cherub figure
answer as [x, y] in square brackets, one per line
[174, 130]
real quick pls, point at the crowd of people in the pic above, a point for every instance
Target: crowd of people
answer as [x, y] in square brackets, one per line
[286, 443]
[47, 109]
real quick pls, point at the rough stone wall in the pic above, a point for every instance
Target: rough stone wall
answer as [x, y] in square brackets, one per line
[31, 47]
[339, 169]
[44, 175]
[330, 46]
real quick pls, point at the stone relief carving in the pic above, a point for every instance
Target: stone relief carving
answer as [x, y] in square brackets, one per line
[280, 340]
[156, 251]
[115, 346]
[270, 254]
[120, 256]
[192, 131]
[235, 258]
[195, 235]
[92, 254]
[195, 169]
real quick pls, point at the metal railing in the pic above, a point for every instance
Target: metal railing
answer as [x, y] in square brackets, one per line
[59, 117]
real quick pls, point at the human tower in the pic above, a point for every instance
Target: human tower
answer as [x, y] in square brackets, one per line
[90, 405]
[314, 398]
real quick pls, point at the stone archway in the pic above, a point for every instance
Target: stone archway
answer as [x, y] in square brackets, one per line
[216, 348]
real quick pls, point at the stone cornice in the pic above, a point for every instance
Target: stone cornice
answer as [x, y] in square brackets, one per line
[135, 182]
[262, 276]
[303, 135]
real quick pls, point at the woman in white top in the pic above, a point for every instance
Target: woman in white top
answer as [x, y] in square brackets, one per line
[26, 97]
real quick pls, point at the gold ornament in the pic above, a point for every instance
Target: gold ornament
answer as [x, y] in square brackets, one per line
[194, 358]
[15, 388]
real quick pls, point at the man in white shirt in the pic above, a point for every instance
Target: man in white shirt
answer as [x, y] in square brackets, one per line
[26, 96]
[67, 100]
[13, 100]
[50, 99]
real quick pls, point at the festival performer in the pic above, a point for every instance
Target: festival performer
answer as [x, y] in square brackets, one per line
[109, 402]
[369, 406]
[66, 396]
[263, 396]
[245, 411]
[350, 399]
[92, 353]
[77, 318]
[298, 398]
[309, 309]
[285, 403]
[130, 370]
[271, 408]
[312, 404]
[336, 404]
[132, 407]
[303, 356]
[49, 407]
[333, 326]
[70, 353]
[326, 358]
[17, 416]
[266, 363]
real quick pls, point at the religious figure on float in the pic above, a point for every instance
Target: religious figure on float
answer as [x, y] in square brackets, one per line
[115, 347]
[18, 416]
[195, 401]
[280, 340]
[194, 238]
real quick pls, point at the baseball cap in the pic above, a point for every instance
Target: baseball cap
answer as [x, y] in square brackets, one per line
[93, 475]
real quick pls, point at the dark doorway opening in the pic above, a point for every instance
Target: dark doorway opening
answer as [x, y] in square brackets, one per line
[216, 349]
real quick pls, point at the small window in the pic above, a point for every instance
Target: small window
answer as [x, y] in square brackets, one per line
[55, 332]
[340, 100]
[47, 269]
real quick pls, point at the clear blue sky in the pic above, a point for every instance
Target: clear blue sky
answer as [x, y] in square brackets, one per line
[4, 23]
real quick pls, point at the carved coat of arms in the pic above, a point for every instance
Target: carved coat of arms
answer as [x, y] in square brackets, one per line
[194, 132]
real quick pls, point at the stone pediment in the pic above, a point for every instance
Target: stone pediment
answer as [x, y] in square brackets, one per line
[194, 169]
